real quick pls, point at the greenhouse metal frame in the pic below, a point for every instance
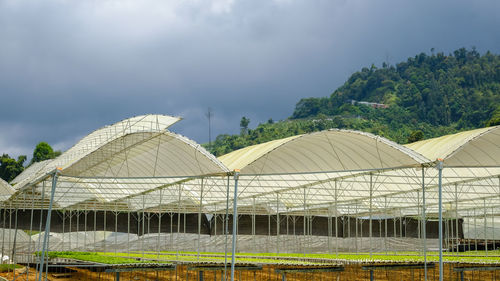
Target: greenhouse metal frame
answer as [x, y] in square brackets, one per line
[315, 191]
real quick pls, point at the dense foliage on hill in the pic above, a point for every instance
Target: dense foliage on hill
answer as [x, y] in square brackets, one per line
[424, 97]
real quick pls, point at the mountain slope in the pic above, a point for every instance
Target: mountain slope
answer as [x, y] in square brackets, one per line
[423, 97]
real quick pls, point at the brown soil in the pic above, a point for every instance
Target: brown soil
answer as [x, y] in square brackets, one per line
[353, 272]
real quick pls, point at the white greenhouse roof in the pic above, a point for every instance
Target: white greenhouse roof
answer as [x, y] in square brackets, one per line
[331, 150]
[329, 172]
[475, 148]
[6, 190]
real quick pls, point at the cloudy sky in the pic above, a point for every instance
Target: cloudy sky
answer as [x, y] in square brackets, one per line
[70, 67]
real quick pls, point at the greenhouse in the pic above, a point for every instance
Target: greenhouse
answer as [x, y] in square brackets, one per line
[330, 203]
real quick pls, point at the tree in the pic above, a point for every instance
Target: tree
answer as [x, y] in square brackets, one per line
[244, 125]
[10, 168]
[415, 136]
[43, 151]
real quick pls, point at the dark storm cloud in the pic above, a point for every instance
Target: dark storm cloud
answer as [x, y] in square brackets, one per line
[69, 67]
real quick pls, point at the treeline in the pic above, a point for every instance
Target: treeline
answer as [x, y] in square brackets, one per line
[424, 97]
[11, 167]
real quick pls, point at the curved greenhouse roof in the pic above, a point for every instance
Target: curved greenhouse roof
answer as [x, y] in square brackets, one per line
[475, 148]
[331, 150]
[130, 157]
[6, 190]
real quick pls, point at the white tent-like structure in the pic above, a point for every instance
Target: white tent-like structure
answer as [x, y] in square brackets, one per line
[350, 190]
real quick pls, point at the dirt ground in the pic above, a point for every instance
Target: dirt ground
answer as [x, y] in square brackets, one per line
[353, 272]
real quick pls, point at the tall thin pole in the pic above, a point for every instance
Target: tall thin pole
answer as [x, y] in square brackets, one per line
[226, 229]
[277, 222]
[47, 224]
[424, 234]
[371, 210]
[209, 115]
[440, 212]
[336, 223]
[235, 215]
[199, 218]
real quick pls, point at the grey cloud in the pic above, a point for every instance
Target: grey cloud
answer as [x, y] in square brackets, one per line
[67, 68]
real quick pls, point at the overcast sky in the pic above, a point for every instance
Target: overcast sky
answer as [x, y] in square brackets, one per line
[70, 67]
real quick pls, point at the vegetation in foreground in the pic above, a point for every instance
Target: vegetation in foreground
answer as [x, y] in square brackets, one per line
[6, 267]
[269, 258]
[93, 257]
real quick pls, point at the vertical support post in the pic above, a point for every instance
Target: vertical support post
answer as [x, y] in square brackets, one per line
[105, 230]
[456, 218]
[485, 227]
[371, 215]
[424, 222]
[199, 218]
[159, 225]
[95, 225]
[70, 228]
[277, 222]
[178, 221]
[85, 230]
[47, 225]
[329, 228]
[253, 225]
[349, 225]
[235, 215]
[440, 215]
[385, 225]
[356, 227]
[30, 260]
[14, 244]
[336, 221]
[226, 229]
[304, 220]
[493, 226]
[128, 232]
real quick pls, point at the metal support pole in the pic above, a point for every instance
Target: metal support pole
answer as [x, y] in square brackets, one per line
[235, 215]
[456, 218]
[336, 222]
[226, 229]
[253, 225]
[199, 219]
[424, 222]
[371, 215]
[277, 222]
[330, 232]
[47, 224]
[385, 225]
[440, 213]
[159, 226]
[304, 221]
[485, 228]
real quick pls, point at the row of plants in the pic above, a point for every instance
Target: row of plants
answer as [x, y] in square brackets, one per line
[139, 257]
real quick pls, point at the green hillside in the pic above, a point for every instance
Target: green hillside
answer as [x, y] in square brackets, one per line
[423, 97]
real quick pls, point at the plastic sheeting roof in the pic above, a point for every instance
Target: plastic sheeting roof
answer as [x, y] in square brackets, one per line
[6, 190]
[127, 158]
[475, 148]
[154, 169]
[331, 150]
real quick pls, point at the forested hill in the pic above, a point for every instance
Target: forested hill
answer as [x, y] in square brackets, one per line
[426, 96]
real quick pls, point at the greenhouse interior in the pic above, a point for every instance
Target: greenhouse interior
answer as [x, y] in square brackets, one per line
[136, 201]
